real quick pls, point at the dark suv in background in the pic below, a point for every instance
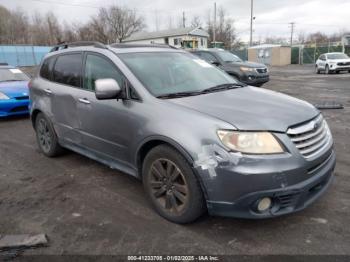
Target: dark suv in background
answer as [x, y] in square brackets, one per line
[197, 138]
[250, 73]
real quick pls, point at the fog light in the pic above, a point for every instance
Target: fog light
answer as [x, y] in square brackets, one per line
[264, 204]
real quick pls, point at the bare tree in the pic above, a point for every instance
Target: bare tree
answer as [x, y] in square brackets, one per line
[224, 30]
[116, 23]
[196, 21]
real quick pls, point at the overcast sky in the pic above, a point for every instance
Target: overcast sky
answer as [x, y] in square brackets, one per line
[272, 16]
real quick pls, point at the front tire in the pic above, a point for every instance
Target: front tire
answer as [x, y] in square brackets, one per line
[327, 71]
[46, 136]
[172, 186]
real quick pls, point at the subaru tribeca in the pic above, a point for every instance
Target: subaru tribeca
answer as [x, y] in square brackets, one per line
[199, 140]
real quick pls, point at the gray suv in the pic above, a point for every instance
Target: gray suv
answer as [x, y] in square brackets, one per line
[199, 140]
[250, 73]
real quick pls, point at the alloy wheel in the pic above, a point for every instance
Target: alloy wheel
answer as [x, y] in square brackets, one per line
[168, 186]
[44, 135]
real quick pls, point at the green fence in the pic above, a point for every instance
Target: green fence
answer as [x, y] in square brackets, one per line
[309, 55]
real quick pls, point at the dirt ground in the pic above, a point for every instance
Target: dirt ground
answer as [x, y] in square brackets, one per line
[86, 208]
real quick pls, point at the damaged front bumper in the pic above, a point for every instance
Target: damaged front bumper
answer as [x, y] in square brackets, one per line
[291, 183]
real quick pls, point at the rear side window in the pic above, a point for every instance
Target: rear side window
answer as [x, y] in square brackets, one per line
[97, 67]
[68, 69]
[46, 68]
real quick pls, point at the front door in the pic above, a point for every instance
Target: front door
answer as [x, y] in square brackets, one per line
[104, 123]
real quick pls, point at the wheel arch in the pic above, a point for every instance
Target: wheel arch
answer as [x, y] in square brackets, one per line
[34, 115]
[148, 144]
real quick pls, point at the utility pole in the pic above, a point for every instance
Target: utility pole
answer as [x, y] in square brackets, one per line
[183, 19]
[292, 24]
[251, 22]
[214, 29]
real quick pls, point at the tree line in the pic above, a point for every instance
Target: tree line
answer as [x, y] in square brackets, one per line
[110, 24]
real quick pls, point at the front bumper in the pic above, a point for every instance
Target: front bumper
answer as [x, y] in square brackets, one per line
[339, 68]
[255, 79]
[291, 182]
[12, 107]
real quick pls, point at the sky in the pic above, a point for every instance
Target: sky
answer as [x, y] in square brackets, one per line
[272, 17]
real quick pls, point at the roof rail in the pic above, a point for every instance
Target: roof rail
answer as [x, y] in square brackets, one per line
[65, 45]
[127, 45]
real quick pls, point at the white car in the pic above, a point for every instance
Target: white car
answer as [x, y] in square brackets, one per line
[333, 62]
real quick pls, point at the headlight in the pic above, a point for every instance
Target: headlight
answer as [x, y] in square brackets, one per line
[246, 69]
[3, 96]
[250, 142]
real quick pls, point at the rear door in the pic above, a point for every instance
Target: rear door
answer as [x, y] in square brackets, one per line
[64, 91]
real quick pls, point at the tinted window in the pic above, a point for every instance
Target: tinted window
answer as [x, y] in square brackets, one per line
[97, 67]
[47, 67]
[68, 69]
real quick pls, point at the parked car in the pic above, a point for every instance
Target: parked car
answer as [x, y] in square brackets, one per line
[14, 94]
[197, 138]
[332, 62]
[250, 73]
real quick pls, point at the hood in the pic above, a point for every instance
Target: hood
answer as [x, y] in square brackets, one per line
[339, 60]
[246, 64]
[14, 88]
[251, 108]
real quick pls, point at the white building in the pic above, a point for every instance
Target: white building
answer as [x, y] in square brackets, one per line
[181, 37]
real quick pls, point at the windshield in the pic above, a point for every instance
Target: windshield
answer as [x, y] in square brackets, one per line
[12, 74]
[228, 57]
[337, 56]
[169, 72]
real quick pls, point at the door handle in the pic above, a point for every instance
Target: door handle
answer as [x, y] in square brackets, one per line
[84, 101]
[48, 91]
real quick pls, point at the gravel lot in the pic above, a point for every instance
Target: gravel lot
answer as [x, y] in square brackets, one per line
[87, 208]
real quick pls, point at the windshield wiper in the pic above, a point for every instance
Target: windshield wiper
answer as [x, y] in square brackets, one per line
[10, 80]
[180, 94]
[222, 87]
[204, 91]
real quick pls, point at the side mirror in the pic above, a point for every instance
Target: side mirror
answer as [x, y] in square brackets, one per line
[107, 88]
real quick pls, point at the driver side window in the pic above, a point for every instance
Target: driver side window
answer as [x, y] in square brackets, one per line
[208, 57]
[97, 67]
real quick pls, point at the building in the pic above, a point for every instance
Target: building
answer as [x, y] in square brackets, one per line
[181, 37]
[268, 54]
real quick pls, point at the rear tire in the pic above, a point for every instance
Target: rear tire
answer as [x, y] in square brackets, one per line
[172, 186]
[317, 71]
[46, 137]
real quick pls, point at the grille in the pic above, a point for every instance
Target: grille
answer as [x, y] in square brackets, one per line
[261, 70]
[22, 97]
[311, 138]
[344, 63]
[288, 200]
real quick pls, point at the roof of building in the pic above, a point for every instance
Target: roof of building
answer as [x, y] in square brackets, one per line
[266, 46]
[166, 33]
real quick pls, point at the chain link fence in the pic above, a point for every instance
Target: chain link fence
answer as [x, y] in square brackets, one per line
[308, 54]
[22, 55]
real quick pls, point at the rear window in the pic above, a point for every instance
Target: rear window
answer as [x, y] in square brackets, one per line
[46, 68]
[67, 69]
